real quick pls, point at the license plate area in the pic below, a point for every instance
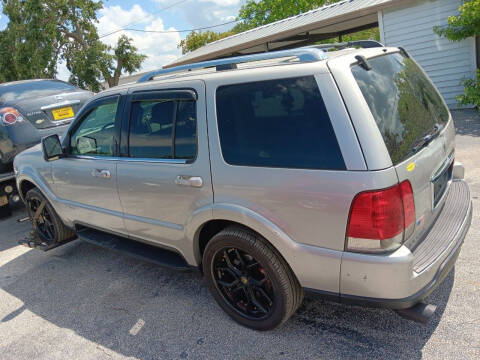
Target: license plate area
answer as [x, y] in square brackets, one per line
[440, 184]
[63, 113]
[3, 200]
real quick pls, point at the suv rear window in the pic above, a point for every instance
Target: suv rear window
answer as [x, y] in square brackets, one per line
[405, 104]
[30, 89]
[277, 123]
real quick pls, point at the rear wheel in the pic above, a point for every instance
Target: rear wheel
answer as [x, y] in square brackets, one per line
[45, 221]
[250, 280]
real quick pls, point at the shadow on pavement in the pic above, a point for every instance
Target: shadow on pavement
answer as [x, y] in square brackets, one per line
[467, 122]
[102, 296]
[12, 231]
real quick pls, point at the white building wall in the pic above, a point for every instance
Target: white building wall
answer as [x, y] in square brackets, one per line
[446, 62]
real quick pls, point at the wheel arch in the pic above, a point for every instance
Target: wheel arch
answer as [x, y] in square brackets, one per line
[314, 267]
[212, 227]
[24, 186]
[27, 180]
[225, 215]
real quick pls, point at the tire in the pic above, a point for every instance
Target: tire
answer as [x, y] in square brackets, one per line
[261, 264]
[5, 211]
[59, 232]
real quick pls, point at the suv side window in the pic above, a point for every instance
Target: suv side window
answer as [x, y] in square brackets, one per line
[96, 133]
[277, 123]
[163, 129]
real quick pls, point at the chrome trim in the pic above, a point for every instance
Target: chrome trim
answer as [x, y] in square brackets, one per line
[60, 104]
[125, 159]
[185, 180]
[160, 161]
[446, 164]
[101, 173]
[448, 161]
[63, 121]
[440, 201]
[93, 157]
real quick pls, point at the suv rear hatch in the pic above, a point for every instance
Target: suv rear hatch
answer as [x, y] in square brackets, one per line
[417, 129]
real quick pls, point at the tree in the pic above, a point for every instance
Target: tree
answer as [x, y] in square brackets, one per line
[42, 32]
[251, 15]
[465, 25]
[194, 40]
[8, 71]
[30, 43]
[95, 60]
[257, 13]
[124, 58]
[462, 26]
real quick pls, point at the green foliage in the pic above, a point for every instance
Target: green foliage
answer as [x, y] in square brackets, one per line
[258, 13]
[369, 34]
[466, 24]
[460, 27]
[28, 41]
[472, 92]
[41, 32]
[85, 64]
[194, 40]
[123, 57]
[8, 69]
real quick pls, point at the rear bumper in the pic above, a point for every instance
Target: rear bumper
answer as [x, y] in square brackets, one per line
[403, 278]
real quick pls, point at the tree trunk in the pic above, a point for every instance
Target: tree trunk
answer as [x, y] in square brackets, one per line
[118, 72]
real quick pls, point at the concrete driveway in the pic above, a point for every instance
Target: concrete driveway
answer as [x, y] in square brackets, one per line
[82, 302]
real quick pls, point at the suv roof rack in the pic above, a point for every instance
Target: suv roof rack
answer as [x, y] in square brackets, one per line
[304, 55]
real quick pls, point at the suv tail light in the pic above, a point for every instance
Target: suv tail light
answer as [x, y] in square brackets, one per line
[380, 220]
[10, 115]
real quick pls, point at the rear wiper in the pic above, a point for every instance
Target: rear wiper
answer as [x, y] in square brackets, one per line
[427, 139]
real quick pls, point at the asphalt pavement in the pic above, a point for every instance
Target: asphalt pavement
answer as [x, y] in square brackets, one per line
[79, 301]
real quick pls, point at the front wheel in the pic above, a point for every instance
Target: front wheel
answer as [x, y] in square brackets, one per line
[46, 223]
[250, 281]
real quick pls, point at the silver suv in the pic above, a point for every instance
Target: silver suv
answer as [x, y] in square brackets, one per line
[332, 172]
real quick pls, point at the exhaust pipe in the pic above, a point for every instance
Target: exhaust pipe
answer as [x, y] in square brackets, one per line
[420, 312]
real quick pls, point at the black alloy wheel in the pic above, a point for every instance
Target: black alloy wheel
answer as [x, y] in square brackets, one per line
[249, 279]
[243, 282]
[47, 225]
[42, 222]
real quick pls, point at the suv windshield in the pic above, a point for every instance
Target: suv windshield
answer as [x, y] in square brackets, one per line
[37, 88]
[406, 106]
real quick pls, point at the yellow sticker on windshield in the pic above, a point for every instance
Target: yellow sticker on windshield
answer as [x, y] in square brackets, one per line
[411, 166]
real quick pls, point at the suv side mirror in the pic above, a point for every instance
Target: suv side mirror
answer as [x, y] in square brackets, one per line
[52, 147]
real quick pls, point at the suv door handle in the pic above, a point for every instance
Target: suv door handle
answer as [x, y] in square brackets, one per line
[101, 173]
[193, 181]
